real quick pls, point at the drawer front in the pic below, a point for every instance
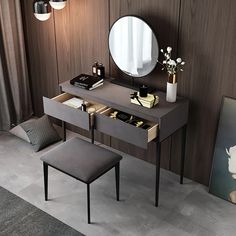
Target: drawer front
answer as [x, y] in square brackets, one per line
[124, 131]
[54, 108]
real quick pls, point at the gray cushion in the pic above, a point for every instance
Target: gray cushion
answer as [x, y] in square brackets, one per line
[41, 133]
[20, 133]
[81, 159]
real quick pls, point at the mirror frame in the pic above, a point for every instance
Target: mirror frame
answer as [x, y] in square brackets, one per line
[140, 18]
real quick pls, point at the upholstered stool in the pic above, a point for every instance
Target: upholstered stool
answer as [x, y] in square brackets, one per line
[82, 160]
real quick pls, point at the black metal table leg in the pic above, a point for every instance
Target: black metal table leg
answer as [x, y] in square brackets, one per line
[64, 130]
[88, 203]
[92, 134]
[45, 173]
[92, 126]
[184, 130]
[117, 170]
[158, 163]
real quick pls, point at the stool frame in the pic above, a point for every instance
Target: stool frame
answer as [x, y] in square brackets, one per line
[117, 177]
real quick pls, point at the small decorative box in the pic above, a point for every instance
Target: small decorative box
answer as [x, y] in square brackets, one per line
[149, 101]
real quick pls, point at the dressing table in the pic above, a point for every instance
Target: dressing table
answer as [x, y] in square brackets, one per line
[134, 49]
[164, 119]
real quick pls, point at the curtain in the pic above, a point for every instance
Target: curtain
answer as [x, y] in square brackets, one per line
[15, 99]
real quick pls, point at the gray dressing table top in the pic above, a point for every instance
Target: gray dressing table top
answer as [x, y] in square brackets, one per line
[118, 97]
[170, 116]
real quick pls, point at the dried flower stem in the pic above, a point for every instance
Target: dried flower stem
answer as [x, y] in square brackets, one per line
[170, 65]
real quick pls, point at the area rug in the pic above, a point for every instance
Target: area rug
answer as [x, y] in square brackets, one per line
[20, 218]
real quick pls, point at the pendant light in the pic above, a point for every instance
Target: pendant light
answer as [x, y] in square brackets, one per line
[42, 10]
[58, 4]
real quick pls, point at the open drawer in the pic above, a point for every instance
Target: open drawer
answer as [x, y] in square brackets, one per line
[54, 107]
[125, 131]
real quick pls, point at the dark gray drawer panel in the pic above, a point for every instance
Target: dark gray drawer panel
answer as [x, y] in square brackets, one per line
[68, 114]
[126, 132]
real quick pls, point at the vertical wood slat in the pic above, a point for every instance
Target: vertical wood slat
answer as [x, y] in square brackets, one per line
[81, 33]
[81, 38]
[163, 17]
[207, 43]
[207, 36]
[41, 53]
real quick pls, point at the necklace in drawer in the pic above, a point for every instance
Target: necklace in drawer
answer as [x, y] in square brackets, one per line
[130, 119]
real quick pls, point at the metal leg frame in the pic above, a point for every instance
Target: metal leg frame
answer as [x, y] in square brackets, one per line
[88, 203]
[64, 130]
[117, 170]
[92, 134]
[184, 131]
[158, 163]
[45, 173]
[117, 173]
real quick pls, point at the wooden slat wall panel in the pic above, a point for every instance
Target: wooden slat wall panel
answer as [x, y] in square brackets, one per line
[207, 42]
[81, 38]
[41, 53]
[63, 42]
[202, 32]
[163, 17]
[81, 32]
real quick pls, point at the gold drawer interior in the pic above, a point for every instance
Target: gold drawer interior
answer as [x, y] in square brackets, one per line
[152, 129]
[91, 107]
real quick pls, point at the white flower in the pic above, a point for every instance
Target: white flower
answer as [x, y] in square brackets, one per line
[169, 49]
[167, 56]
[171, 63]
[179, 60]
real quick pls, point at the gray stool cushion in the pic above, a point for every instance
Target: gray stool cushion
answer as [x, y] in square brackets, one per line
[81, 159]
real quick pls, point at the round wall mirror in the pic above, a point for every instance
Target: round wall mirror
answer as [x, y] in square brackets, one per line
[133, 46]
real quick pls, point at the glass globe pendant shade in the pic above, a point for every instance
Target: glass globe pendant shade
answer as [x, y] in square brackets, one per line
[42, 10]
[42, 17]
[58, 4]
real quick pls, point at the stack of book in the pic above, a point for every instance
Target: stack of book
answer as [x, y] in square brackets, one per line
[88, 82]
[75, 102]
[149, 101]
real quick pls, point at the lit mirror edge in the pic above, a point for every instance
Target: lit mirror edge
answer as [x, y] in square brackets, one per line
[153, 33]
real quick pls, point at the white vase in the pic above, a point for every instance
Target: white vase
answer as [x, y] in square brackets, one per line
[171, 92]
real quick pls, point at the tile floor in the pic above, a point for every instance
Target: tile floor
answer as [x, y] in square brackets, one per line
[184, 209]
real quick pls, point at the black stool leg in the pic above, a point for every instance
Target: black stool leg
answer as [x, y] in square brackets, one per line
[88, 202]
[117, 170]
[45, 173]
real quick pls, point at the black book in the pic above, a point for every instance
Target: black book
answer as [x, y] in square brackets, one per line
[86, 81]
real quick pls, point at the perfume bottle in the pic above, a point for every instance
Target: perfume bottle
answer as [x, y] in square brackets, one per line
[94, 68]
[143, 91]
[83, 106]
[101, 70]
